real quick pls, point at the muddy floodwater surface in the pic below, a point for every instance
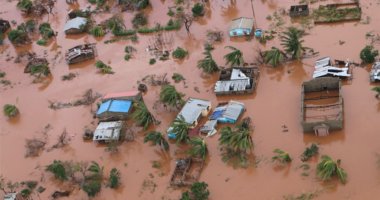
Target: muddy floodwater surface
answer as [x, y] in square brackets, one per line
[276, 102]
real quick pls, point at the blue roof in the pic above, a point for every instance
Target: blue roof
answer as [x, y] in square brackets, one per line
[116, 106]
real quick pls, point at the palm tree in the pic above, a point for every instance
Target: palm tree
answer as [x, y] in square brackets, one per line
[274, 56]
[180, 128]
[199, 146]
[377, 89]
[208, 64]
[25, 4]
[142, 116]
[235, 57]
[96, 170]
[40, 69]
[97, 31]
[18, 36]
[282, 155]
[157, 138]
[171, 96]
[10, 110]
[46, 30]
[238, 138]
[329, 167]
[115, 23]
[292, 43]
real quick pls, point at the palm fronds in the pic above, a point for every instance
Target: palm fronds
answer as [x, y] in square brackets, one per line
[329, 167]
[58, 169]
[18, 36]
[10, 110]
[282, 155]
[170, 96]
[157, 138]
[142, 116]
[177, 77]
[40, 69]
[180, 128]
[45, 30]
[238, 138]
[207, 64]
[115, 23]
[24, 4]
[290, 40]
[274, 56]
[97, 31]
[199, 147]
[235, 57]
[376, 89]
[179, 53]
[103, 67]
[96, 170]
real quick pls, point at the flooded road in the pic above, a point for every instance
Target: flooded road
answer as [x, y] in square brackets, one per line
[276, 102]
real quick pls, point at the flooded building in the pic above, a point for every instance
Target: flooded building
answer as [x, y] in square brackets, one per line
[80, 53]
[35, 61]
[4, 26]
[375, 73]
[237, 81]
[227, 112]
[75, 26]
[112, 110]
[299, 10]
[192, 112]
[108, 131]
[187, 172]
[324, 68]
[321, 106]
[133, 96]
[13, 196]
[241, 26]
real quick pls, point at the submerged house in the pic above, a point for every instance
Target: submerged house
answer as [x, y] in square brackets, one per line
[192, 112]
[321, 105]
[375, 73]
[75, 26]
[187, 171]
[299, 10]
[108, 131]
[227, 112]
[13, 196]
[133, 96]
[241, 26]
[4, 26]
[35, 61]
[113, 109]
[80, 53]
[237, 81]
[323, 68]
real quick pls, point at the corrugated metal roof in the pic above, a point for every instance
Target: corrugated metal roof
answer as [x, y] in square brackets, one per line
[210, 124]
[108, 130]
[75, 23]
[375, 74]
[120, 94]
[237, 74]
[193, 108]
[242, 22]
[328, 70]
[233, 110]
[322, 62]
[237, 85]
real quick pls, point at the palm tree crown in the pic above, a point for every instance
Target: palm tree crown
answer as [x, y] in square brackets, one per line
[199, 146]
[274, 56]
[235, 57]
[282, 155]
[329, 167]
[180, 128]
[157, 138]
[292, 43]
[377, 89]
[208, 64]
[171, 96]
[237, 138]
[142, 116]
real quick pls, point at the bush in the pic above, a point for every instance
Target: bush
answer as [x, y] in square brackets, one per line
[25, 192]
[58, 169]
[16, 36]
[124, 33]
[2, 74]
[198, 192]
[152, 61]
[92, 188]
[368, 55]
[92, 1]
[197, 9]
[115, 176]
[147, 30]
[97, 31]
[179, 53]
[170, 23]
[107, 7]
[208, 47]
[42, 42]
[177, 77]
[10, 110]
[173, 25]
[170, 13]
[127, 57]
[269, 17]
[46, 30]
[129, 49]
[179, 8]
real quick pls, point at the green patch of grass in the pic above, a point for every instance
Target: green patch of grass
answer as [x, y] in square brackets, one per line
[269, 17]
[304, 196]
[152, 61]
[127, 57]
[42, 42]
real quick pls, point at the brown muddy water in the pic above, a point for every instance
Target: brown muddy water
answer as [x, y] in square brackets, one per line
[276, 102]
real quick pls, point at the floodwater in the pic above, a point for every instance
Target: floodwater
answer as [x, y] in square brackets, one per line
[276, 102]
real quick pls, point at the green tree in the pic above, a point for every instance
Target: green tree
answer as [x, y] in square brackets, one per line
[115, 23]
[97, 171]
[103, 67]
[45, 30]
[185, 196]
[274, 56]
[171, 96]
[179, 53]
[142, 116]
[235, 57]
[199, 147]
[157, 138]
[97, 31]
[199, 191]
[377, 89]
[24, 4]
[197, 9]
[92, 188]
[292, 43]
[58, 169]
[238, 138]
[10, 110]
[115, 176]
[329, 167]
[282, 155]
[368, 54]
[180, 128]
[18, 36]
[40, 69]
[208, 64]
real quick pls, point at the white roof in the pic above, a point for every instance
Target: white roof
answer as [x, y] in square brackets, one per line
[242, 22]
[193, 108]
[376, 65]
[322, 62]
[234, 109]
[237, 74]
[108, 130]
[75, 23]
[375, 74]
[322, 68]
[237, 85]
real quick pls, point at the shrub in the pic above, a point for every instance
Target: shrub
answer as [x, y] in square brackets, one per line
[92, 188]
[10, 110]
[208, 47]
[103, 67]
[179, 1]
[127, 57]
[179, 8]
[139, 19]
[107, 7]
[42, 42]
[177, 77]
[97, 31]
[170, 23]
[152, 61]
[198, 192]
[147, 30]
[197, 9]
[58, 169]
[17, 36]
[26, 192]
[39, 69]
[115, 176]
[173, 25]
[368, 55]
[170, 13]
[46, 30]
[124, 33]
[129, 49]
[269, 17]
[179, 53]
[92, 1]
[2, 74]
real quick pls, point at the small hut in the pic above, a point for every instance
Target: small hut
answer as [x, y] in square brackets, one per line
[75, 26]
[80, 53]
[375, 73]
[299, 10]
[35, 61]
[241, 26]
[112, 110]
[4, 26]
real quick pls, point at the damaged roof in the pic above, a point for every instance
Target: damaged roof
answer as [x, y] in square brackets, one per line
[75, 23]
[192, 108]
[238, 81]
[108, 130]
[242, 22]
[323, 68]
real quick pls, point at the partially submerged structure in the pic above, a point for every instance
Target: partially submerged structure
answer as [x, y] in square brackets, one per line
[237, 81]
[331, 13]
[192, 112]
[375, 73]
[75, 26]
[112, 110]
[321, 106]
[209, 127]
[108, 131]
[4, 26]
[35, 61]
[13, 196]
[133, 96]
[323, 68]
[241, 26]
[299, 10]
[227, 112]
[187, 171]
[80, 53]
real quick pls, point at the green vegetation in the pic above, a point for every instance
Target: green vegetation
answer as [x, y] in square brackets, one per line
[58, 169]
[313, 150]
[24, 4]
[274, 56]
[147, 30]
[2, 74]
[283, 156]
[329, 167]
[179, 9]
[199, 191]
[304, 195]
[97, 171]
[332, 14]
[152, 61]
[208, 47]
[376, 89]
[97, 31]
[124, 32]
[139, 19]
[42, 42]
[127, 57]
[199, 147]
[305, 166]
[142, 116]
[169, 95]
[129, 49]
[269, 17]
[170, 12]
[18, 36]
[115, 176]
[45, 30]
[179, 1]
[235, 57]
[39, 69]
[103, 67]
[290, 40]
[368, 54]
[180, 128]
[115, 23]
[208, 64]
[10, 110]
[177, 77]
[143, 4]
[238, 137]
[26, 192]
[157, 138]
[92, 188]
[198, 9]
[179, 53]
